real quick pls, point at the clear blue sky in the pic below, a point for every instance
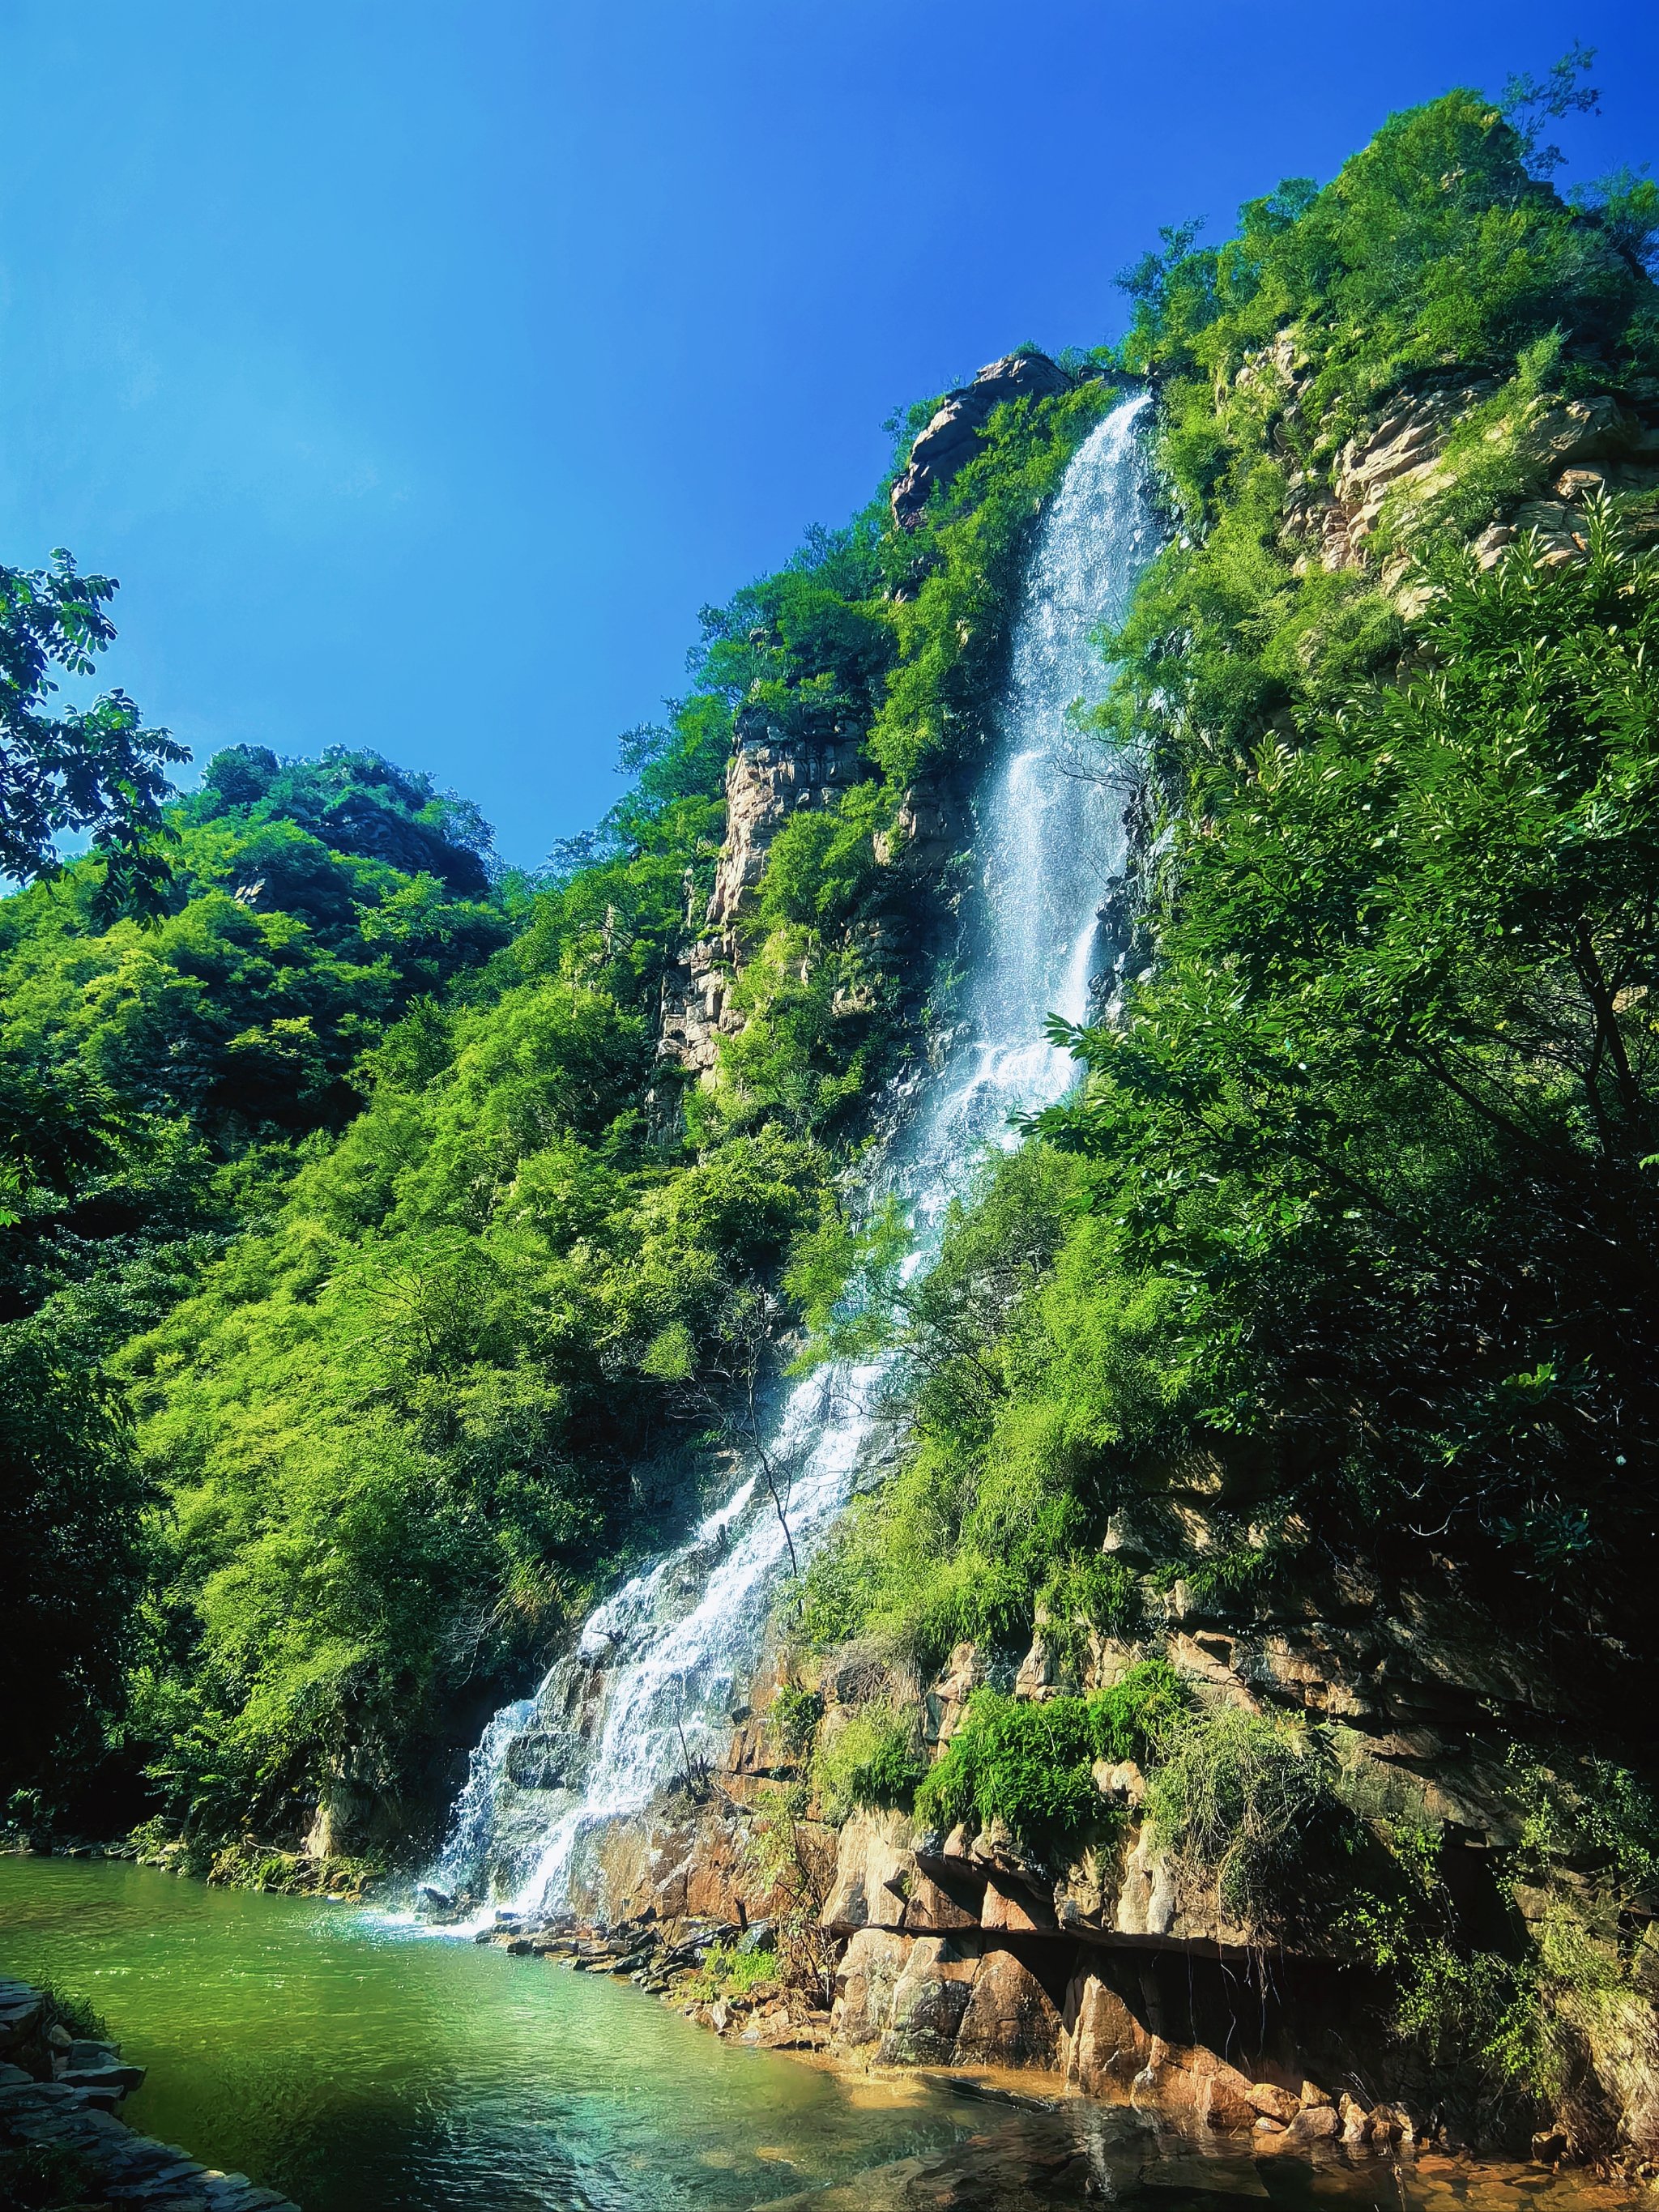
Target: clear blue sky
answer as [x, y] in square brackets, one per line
[420, 368]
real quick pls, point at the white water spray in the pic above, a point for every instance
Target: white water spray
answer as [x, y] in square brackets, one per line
[661, 1664]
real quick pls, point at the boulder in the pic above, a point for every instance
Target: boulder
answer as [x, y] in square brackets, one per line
[869, 1972]
[1105, 2046]
[951, 438]
[1011, 2020]
[1274, 2103]
[1189, 2079]
[928, 2001]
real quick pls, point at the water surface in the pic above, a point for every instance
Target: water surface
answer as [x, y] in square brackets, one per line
[359, 2068]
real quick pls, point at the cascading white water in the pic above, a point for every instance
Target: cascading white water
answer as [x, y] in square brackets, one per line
[661, 1663]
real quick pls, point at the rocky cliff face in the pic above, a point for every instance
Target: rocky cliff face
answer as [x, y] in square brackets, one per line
[770, 776]
[775, 772]
[950, 439]
[1115, 1972]
[1556, 453]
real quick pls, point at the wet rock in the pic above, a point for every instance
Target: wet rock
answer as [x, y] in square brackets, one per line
[928, 2001]
[1193, 2083]
[1274, 2103]
[1011, 2020]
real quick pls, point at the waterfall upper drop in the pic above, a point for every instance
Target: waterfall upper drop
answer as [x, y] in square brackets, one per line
[660, 1665]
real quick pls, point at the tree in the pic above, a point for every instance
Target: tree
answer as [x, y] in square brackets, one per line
[95, 768]
[71, 1555]
[1387, 1112]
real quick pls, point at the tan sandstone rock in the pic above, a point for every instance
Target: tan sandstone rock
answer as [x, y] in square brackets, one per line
[1011, 2019]
[928, 2001]
[874, 1866]
[1105, 2046]
[868, 1974]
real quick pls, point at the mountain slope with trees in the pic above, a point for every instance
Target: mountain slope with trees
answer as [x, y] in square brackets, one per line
[1279, 1420]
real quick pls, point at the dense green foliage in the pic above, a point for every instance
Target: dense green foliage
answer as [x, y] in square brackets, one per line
[1028, 1765]
[72, 1549]
[94, 768]
[356, 1177]
[1385, 1116]
[1346, 1246]
[1433, 258]
[1357, 1202]
[352, 1217]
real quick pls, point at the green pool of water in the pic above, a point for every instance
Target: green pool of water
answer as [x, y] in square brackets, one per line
[359, 2068]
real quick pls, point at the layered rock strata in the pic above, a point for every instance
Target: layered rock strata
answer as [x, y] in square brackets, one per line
[1556, 453]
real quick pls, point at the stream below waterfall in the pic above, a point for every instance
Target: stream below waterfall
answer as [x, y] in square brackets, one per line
[361, 2068]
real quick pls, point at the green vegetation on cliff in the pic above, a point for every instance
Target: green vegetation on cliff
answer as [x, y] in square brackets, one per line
[1343, 1256]
[374, 1287]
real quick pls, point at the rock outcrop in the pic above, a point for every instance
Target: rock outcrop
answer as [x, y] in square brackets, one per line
[951, 438]
[1556, 453]
[775, 772]
[771, 775]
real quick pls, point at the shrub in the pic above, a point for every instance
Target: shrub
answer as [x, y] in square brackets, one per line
[1027, 1763]
[1133, 1716]
[1088, 1591]
[1024, 1763]
[42, 2177]
[727, 1970]
[794, 1715]
[872, 1760]
[1244, 1806]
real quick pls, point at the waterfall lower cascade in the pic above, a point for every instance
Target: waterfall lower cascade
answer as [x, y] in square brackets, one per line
[661, 1664]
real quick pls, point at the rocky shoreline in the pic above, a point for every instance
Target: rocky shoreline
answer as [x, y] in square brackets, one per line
[1046, 2142]
[879, 2011]
[58, 2124]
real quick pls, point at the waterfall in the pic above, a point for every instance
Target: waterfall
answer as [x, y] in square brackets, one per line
[660, 1664]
